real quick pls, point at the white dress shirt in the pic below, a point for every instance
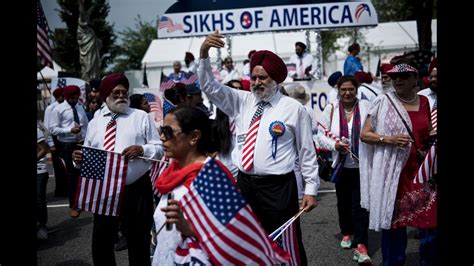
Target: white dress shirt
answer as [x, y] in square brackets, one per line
[296, 140]
[328, 143]
[62, 121]
[430, 94]
[134, 128]
[47, 122]
[301, 63]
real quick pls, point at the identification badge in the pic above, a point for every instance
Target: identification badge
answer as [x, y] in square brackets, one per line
[241, 138]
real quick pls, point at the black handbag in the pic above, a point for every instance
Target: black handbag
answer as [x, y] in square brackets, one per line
[325, 165]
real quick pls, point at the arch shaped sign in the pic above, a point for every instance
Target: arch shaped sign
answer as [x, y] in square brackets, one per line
[197, 18]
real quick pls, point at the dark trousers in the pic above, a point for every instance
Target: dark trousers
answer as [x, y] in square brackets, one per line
[353, 219]
[71, 172]
[274, 200]
[394, 243]
[60, 177]
[41, 210]
[137, 207]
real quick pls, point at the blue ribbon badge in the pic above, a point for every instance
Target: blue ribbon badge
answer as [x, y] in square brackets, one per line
[277, 129]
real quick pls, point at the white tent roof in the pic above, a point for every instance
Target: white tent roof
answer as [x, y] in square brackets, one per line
[49, 73]
[388, 36]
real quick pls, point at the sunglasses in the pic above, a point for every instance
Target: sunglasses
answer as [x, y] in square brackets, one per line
[403, 75]
[167, 131]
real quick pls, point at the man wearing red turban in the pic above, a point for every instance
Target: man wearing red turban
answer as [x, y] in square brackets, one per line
[69, 122]
[432, 92]
[60, 189]
[133, 133]
[271, 130]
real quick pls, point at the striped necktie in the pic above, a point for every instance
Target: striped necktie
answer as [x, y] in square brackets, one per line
[111, 130]
[251, 137]
[434, 116]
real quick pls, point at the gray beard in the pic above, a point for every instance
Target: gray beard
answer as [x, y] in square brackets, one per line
[115, 107]
[267, 93]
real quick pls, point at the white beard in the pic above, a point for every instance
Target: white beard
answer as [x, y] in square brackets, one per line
[119, 106]
[267, 93]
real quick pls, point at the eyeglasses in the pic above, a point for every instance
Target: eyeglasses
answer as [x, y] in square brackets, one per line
[117, 93]
[403, 75]
[254, 78]
[167, 131]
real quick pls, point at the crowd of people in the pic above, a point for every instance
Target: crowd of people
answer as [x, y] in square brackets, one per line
[268, 139]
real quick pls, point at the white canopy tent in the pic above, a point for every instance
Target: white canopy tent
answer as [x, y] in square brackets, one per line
[48, 73]
[385, 40]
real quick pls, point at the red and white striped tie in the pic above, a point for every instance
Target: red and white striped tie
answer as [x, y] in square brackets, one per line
[251, 138]
[434, 116]
[109, 140]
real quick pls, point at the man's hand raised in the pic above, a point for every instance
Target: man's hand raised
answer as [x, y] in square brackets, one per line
[212, 40]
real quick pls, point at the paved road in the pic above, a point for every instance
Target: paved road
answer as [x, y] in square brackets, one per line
[69, 241]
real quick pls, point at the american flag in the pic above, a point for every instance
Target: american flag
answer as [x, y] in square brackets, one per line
[101, 182]
[289, 243]
[43, 49]
[428, 167]
[191, 79]
[155, 105]
[224, 223]
[166, 22]
[156, 169]
[167, 106]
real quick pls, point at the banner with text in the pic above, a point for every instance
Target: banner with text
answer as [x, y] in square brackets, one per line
[269, 18]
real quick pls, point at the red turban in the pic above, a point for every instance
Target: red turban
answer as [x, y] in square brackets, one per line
[385, 67]
[363, 77]
[272, 63]
[109, 82]
[433, 65]
[58, 92]
[70, 91]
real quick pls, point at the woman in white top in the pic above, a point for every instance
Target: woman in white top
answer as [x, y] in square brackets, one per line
[340, 128]
[186, 136]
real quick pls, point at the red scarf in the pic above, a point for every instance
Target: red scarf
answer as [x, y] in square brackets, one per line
[173, 176]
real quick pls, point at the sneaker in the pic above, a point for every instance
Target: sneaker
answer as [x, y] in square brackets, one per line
[42, 233]
[361, 255]
[122, 244]
[346, 242]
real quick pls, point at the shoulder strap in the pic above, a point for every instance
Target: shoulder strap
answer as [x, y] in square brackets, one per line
[403, 120]
[370, 89]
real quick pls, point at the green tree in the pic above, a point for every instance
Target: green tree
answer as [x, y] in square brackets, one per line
[66, 49]
[423, 11]
[135, 44]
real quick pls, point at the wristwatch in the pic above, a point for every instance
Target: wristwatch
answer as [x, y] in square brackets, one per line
[381, 138]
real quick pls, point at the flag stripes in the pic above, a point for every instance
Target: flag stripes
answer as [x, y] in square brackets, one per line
[101, 182]
[43, 49]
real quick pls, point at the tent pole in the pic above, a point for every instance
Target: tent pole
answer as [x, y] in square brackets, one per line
[319, 56]
[45, 83]
[229, 45]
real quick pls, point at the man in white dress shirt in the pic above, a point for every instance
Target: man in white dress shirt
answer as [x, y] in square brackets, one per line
[60, 189]
[69, 123]
[266, 149]
[135, 135]
[431, 92]
[303, 62]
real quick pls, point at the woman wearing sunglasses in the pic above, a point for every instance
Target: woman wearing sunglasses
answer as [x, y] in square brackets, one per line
[397, 128]
[186, 137]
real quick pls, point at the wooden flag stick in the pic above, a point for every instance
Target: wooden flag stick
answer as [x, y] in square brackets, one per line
[140, 157]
